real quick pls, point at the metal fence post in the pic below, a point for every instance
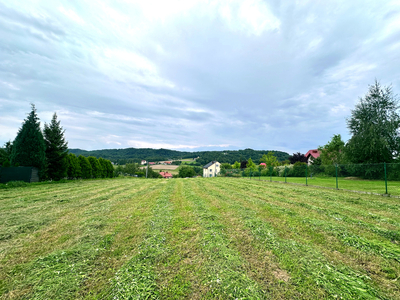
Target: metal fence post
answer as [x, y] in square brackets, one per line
[384, 166]
[337, 187]
[306, 174]
[285, 174]
[270, 174]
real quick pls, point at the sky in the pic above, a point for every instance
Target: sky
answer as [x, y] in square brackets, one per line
[194, 75]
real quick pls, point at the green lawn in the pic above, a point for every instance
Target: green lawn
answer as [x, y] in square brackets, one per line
[203, 238]
[372, 186]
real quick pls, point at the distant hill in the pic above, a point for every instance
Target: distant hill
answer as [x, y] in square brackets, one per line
[123, 156]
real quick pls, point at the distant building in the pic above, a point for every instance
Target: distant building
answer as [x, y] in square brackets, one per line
[311, 155]
[211, 169]
[143, 162]
[166, 174]
[152, 163]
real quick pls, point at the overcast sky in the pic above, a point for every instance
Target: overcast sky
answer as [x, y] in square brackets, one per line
[194, 75]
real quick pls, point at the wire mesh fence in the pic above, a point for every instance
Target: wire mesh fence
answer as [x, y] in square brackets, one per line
[380, 178]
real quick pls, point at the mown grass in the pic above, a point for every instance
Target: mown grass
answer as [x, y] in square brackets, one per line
[203, 238]
[352, 184]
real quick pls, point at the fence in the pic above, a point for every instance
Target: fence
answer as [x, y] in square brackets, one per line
[382, 178]
[27, 174]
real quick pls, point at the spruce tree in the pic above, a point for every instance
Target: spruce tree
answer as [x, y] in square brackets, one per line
[56, 149]
[28, 148]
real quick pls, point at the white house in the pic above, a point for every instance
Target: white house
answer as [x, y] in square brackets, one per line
[311, 155]
[211, 169]
[143, 162]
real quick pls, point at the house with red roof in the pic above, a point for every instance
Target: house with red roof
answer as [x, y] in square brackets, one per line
[166, 174]
[311, 155]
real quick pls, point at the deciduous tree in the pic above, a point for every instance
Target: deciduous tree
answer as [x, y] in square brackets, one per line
[297, 157]
[374, 126]
[269, 159]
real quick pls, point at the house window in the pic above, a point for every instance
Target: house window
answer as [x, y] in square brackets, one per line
[210, 175]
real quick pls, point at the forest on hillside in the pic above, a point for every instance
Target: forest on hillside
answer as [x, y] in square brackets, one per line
[130, 155]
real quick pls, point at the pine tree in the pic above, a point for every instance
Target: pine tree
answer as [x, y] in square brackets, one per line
[28, 148]
[56, 149]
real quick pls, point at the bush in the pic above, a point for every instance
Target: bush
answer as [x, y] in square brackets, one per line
[13, 184]
[297, 170]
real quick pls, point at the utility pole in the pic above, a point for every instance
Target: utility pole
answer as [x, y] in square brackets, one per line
[147, 169]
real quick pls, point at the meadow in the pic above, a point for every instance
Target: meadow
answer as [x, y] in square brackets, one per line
[201, 238]
[345, 183]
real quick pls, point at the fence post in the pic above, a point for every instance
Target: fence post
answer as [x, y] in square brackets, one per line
[270, 174]
[306, 174]
[285, 174]
[384, 166]
[337, 187]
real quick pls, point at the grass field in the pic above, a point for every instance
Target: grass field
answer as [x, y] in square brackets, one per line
[371, 186]
[203, 238]
[173, 169]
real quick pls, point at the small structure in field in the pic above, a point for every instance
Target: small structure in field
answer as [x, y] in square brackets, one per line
[311, 155]
[211, 169]
[27, 174]
[152, 163]
[166, 174]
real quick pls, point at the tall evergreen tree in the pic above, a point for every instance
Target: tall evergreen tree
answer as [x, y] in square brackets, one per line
[110, 169]
[28, 148]
[86, 168]
[96, 167]
[56, 149]
[74, 168]
[103, 165]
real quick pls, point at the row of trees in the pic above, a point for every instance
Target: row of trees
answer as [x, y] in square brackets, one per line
[47, 150]
[88, 167]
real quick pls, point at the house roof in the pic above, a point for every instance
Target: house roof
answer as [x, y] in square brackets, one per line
[314, 153]
[209, 164]
[165, 174]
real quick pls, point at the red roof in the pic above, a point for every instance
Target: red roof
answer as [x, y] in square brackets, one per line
[166, 174]
[314, 153]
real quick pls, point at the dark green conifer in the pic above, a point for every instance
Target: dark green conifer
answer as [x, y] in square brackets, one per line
[56, 149]
[74, 168]
[86, 168]
[28, 148]
[96, 167]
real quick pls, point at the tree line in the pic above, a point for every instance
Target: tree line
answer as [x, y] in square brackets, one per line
[47, 150]
[133, 155]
